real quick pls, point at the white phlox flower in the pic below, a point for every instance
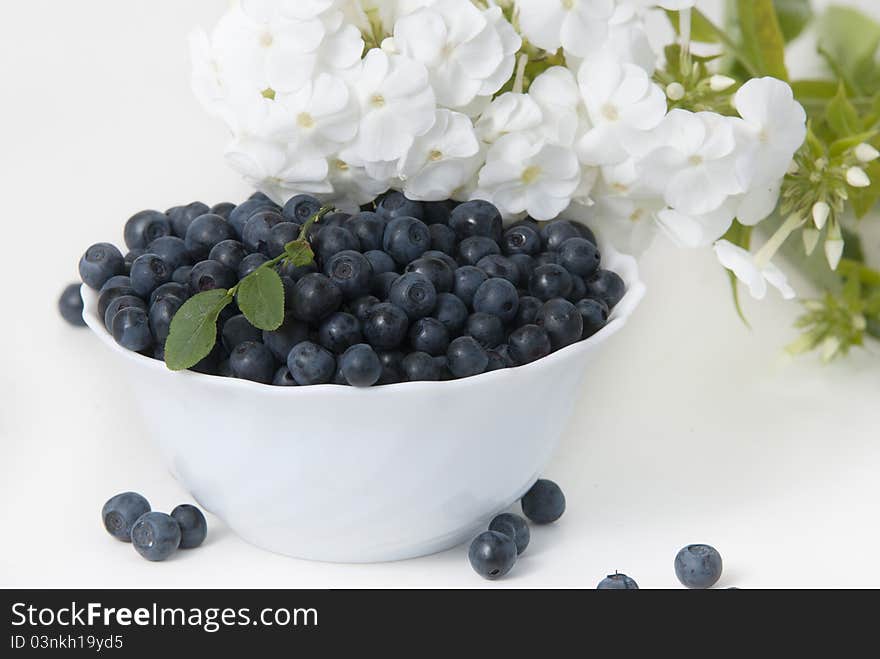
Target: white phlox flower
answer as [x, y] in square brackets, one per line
[578, 26]
[351, 185]
[754, 275]
[509, 113]
[556, 93]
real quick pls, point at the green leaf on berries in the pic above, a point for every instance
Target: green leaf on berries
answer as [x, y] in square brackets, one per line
[299, 253]
[261, 299]
[194, 329]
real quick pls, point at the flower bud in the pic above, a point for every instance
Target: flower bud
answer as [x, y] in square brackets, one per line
[830, 347]
[675, 91]
[719, 83]
[866, 153]
[811, 239]
[857, 177]
[389, 46]
[833, 251]
[821, 211]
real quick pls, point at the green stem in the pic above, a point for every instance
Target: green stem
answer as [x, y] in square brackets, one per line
[732, 48]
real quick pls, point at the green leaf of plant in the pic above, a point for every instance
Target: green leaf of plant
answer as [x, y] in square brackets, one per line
[849, 39]
[702, 29]
[819, 90]
[864, 200]
[762, 37]
[194, 329]
[845, 144]
[299, 252]
[842, 116]
[261, 299]
[793, 17]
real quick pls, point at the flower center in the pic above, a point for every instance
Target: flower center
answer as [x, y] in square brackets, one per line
[377, 101]
[610, 112]
[305, 120]
[763, 137]
[266, 39]
[341, 165]
[268, 93]
[435, 155]
[637, 214]
[620, 187]
[696, 161]
[530, 174]
[568, 5]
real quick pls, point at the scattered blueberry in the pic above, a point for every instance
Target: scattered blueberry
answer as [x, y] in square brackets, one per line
[121, 512]
[156, 536]
[513, 526]
[492, 554]
[70, 305]
[193, 525]
[544, 502]
[698, 566]
[617, 581]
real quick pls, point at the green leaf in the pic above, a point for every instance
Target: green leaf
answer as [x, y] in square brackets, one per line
[849, 39]
[821, 90]
[793, 15]
[762, 37]
[846, 143]
[864, 200]
[299, 253]
[194, 329]
[842, 116]
[702, 29]
[261, 298]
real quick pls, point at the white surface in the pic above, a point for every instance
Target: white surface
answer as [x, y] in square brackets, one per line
[699, 430]
[351, 475]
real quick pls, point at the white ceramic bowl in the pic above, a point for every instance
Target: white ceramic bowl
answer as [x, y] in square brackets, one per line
[334, 473]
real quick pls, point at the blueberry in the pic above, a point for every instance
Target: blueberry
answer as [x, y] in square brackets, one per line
[351, 272]
[250, 263]
[155, 536]
[468, 279]
[594, 315]
[698, 566]
[472, 250]
[498, 297]
[300, 208]
[528, 343]
[513, 526]
[499, 358]
[436, 270]
[486, 329]
[521, 240]
[130, 257]
[385, 326]
[362, 305]
[544, 502]
[252, 361]
[121, 512]
[360, 366]
[161, 314]
[392, 366]
[310, 363]
[181, 275]
[224, 370]
[237, 330]
[578, 289]
[260, 195]
[148, 272]
[406, 239]
[296, 272]
[546, 258]
[120, 303]
[336, 219]
[419, 367]
[549, 281]
[429, 335]
[525, 266]
[315, 297]
[368, 228]
[452, 312]
[131, 329]
[394, 204]
[586, 232]
[527, 311]
[579, 256]
[333, 240]
[115, 287]
[414, 293]
[438, 212]
[210, 364]
[282, 340]
[182, 216]
[204, 232]
[492, 554]
[606, 286]
[241, 214]
[258, 231]
[143, 228]
[228, 252]
[281, 234]
[466, 357]
[70, 305]
[193, 525]
[617, 581]
[381, 284]
[380, 261]
[554, 233]
[100, 262]
[223, 209]
[339, 331]
[442, 238]
[170, 289]
[446, 258]
[283, 378]
[562, 322]
[442, 366]
[210, 275]
[170, 249]
[476, 218]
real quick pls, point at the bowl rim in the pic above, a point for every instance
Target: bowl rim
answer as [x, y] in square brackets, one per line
[624, 265]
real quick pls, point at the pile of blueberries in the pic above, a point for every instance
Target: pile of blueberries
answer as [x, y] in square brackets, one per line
[155, 536]
[401, 291]
[493, 553]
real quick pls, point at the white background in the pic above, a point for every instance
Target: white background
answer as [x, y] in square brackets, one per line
[696, 430]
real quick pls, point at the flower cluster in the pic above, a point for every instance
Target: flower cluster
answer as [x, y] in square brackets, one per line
[544, 108]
